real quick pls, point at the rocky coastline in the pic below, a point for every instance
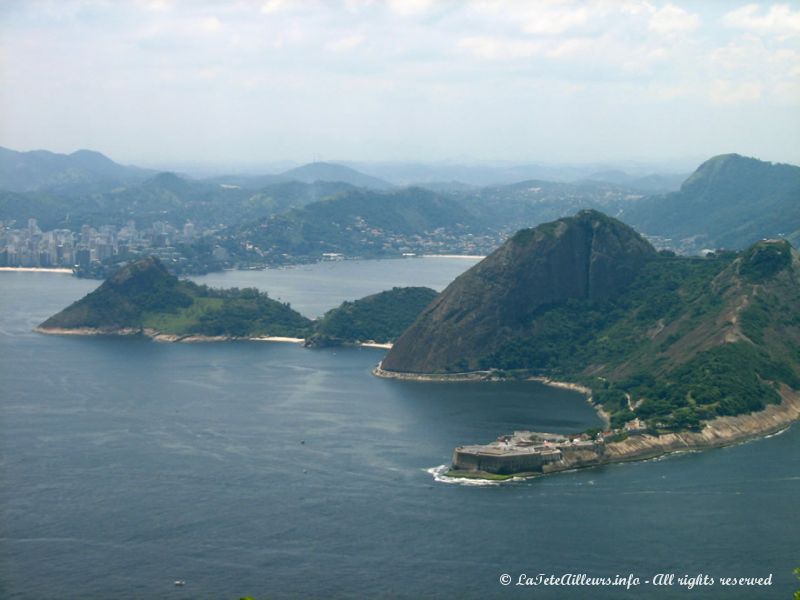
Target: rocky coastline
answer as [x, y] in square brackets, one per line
[492, 375]
[716, 433]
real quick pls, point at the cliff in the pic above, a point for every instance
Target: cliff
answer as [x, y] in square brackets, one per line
[587, 257]
[672, 341]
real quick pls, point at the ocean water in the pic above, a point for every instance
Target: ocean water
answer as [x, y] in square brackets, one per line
[314, 289]
[269, 470]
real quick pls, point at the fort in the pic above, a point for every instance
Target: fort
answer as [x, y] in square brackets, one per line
[526, 452]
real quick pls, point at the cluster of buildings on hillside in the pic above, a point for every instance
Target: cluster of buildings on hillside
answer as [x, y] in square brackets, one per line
[441, 240]
[32, 247]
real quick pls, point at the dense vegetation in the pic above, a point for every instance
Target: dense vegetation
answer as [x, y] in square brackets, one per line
[639, 340]
[762, 261]
[124, 299]
[164, 197]
[729, 202]
[687, 339]
[145, 295]
[359, 222]
[378, 318]
[233, 312]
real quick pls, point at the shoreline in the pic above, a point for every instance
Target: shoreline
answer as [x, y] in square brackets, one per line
[717, 433]
[720, 432]
[471, 256]
[63, 271]
[68, 271]
[378, 371]
[189, 338]
[157, 336]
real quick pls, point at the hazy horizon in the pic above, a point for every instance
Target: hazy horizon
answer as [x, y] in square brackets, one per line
[247, 84]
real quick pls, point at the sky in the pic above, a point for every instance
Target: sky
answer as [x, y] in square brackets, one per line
[553, 81]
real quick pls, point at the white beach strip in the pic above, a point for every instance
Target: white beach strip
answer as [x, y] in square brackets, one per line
[36, 270]
[375, 345]
[277, 338]
[473, 256]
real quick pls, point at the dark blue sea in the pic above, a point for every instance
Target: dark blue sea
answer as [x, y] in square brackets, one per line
[269, 470]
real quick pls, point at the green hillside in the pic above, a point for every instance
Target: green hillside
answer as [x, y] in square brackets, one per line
[730, 201]
[379, 318]
[143, 295]
[667, 339]
[358, 222]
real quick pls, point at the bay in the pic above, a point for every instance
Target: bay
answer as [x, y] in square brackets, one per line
[270, 470]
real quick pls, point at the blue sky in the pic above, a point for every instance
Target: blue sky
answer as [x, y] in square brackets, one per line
[268, 80]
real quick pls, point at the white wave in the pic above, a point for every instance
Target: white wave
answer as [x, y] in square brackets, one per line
[438, 474]
[777, 433]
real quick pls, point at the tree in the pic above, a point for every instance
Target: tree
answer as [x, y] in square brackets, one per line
[797, 574]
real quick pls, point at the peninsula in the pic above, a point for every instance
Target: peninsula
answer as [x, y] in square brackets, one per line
[679, 353]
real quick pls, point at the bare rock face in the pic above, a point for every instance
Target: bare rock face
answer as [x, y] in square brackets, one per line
[588, 256]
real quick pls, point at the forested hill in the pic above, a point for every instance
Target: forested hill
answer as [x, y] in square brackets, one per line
[143, 295]
[667, 339]
[730, 201]
[358, 222]
[165, 197]
[379, 318]
[42, 170]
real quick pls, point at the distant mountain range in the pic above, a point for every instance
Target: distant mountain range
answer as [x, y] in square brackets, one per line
[730, 201]
[359, 222]
[42, 170]
[310, 173]
[162, 197]
[653, 183]
[88, 171]
[438, 175]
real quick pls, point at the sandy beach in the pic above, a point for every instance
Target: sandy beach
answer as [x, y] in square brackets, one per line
[277, 338]
[158, 336]
[375, 345]
[472, 256]
[36, 270]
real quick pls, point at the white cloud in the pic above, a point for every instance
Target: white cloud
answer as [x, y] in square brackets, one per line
[786, 93]
[779, 20]
[463, 58]
[346, 43]
[272, 6]
[672, 19]
[496, 48]
[552, 20]
[548, 17]
[157, 5]
[724, 91]
[356, 6]
[411, 8]
[208, 24]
